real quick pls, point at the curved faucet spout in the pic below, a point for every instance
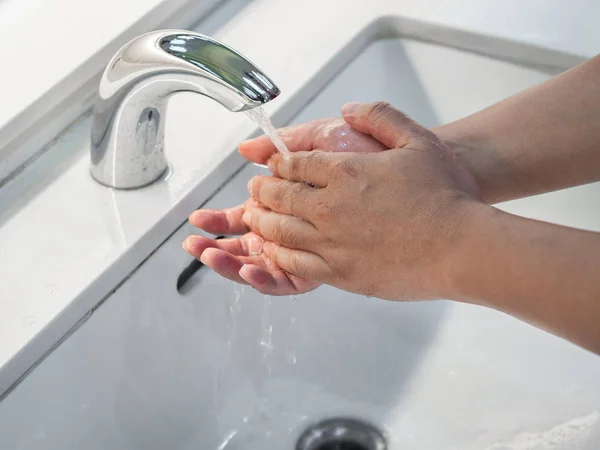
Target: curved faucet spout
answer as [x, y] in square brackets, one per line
[127, 133]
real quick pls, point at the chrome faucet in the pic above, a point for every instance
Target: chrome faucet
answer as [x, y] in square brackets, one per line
[128, 121]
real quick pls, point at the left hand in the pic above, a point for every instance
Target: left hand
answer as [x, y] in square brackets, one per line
[382, 224]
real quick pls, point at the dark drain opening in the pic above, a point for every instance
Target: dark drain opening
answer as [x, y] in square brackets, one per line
[341, 434]
[342, 445]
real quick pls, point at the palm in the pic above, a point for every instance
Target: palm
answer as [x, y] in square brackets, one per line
[240, 259]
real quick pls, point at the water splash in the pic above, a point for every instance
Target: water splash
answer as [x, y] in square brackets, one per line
[238, 290]
[290, 356]
[224, 363]
[290, 353]
[266, 340]
[260, 116]
[227, 440]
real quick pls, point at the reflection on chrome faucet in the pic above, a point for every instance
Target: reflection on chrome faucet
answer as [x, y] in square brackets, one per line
[129, 115]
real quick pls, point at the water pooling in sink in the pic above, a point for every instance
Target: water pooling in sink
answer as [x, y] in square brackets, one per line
[260, 116]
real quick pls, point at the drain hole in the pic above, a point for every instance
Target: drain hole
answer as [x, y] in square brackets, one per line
[342, 445]
[187, 273]
[341, 434]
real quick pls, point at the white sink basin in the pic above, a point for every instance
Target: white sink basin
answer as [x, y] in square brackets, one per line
[218, 366]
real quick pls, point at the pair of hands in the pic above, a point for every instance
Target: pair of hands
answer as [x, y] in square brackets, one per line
[389, 209]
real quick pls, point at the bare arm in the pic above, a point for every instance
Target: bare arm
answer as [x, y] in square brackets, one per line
[543, 139]
[409, 224]
[546, 274]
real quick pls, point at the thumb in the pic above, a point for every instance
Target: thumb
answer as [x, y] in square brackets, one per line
[385, 123]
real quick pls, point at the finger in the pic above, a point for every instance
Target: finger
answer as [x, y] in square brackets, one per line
[296, 137]
[384, 122]
[215, 221]
[275, 283]
[225, 264]
[196, 245]
[290, 231]
[299, 263]
[248, 245]
[312, 167]
[282, 196]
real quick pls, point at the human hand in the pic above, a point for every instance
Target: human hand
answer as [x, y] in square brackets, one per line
[381, 224]
[240, 259]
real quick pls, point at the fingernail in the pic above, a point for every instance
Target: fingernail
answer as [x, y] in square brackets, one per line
[250, 185]
[349, 108]
[255, 246]
[188, 244]
[242, 273]
[247, 218]
[204, 259]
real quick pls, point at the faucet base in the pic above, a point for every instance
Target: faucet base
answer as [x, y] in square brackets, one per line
[130, 182]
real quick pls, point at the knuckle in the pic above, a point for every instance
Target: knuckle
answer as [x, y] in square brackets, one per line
[295, 199]
[295, 167]
[313, 161]
[297, 189]
[255, 187]
[296, 266]
[351, 167]
[377, 110]
[287, 234]
[279, 195]
[323, 210]
[277, 234]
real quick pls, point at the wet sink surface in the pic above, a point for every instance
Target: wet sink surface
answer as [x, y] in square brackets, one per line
[220, 366]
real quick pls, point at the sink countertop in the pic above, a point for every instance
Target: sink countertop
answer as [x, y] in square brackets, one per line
[66, 242]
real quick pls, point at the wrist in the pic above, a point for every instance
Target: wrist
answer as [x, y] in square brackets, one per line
[475, 152]
[474, 238]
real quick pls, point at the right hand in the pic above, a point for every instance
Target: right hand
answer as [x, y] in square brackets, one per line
[240, 259]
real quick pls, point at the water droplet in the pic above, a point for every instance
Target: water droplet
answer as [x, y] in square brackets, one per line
[266, 341]
[227, 440]
[290, 356]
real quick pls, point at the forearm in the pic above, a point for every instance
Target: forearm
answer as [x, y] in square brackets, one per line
[545, 274]
[543, 139]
